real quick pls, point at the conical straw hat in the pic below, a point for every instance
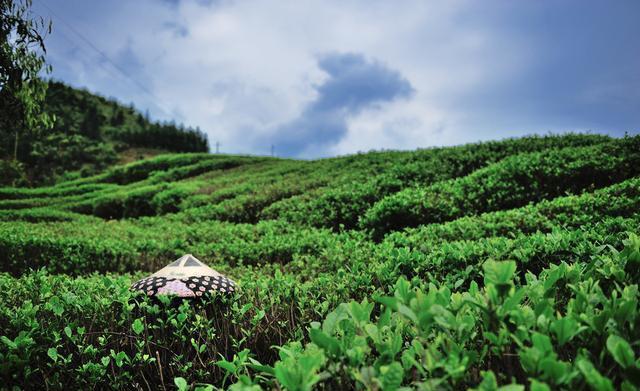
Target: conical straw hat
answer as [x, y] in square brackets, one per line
[184, 277]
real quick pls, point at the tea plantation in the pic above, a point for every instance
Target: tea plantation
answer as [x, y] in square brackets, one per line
[505, 265]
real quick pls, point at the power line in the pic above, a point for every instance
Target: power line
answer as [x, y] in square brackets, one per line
[142, 87]
[85, 54]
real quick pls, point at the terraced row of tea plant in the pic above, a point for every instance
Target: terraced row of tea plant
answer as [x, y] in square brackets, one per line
[501, 265]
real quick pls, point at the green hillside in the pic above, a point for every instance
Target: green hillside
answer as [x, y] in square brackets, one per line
[89, 134]
[508, 264]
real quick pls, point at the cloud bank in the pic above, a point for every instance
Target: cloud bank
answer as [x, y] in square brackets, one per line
[353, 84]
[320, 78]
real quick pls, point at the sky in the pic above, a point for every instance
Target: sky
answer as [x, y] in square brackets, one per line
[324, 78]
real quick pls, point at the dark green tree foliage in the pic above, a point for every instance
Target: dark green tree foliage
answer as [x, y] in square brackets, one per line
[92, 123]
[81, 112]
[118, 118]
[161, 135]
[21, 89]
[88, 130]
[91, 130]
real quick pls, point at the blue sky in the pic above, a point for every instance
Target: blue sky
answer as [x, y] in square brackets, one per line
[325, 78]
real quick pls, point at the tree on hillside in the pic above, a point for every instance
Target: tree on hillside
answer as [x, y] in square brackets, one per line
[118, 117]
[22, 91]
[91, 123]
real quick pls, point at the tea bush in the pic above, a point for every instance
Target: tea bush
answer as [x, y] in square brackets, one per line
[341, 206]
[94, 332]
[536, 332]
[621, 199]
[506, 265]
[512, 182]
[126, 246]
[37, 215]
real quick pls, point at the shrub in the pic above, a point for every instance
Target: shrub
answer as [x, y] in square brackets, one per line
[521, 272]
[341, 205]
[512, 182]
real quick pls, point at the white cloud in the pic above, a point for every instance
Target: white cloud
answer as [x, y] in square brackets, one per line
[397, 125]
[238, 69]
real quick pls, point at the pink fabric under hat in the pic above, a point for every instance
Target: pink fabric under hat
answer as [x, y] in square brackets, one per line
[185, 277]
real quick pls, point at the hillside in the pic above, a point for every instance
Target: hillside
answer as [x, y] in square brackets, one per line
[475, 266]
[89, 134]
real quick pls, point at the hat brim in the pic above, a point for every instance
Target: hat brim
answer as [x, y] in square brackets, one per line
[192, 286]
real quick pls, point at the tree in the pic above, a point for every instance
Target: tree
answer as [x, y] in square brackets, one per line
[22, 91]
[118, 117]
[92, 122]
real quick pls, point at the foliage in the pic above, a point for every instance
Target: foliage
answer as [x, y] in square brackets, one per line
[90, 131]
[85, 131]
[522, 276]
[21, 89]
[511, 182]
[342, 205]
[97, 118]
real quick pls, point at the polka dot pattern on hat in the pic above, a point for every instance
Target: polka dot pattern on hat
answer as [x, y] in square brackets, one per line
[184, 287]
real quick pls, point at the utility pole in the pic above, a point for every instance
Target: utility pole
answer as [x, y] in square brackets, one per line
[217, 147]
[273, 150]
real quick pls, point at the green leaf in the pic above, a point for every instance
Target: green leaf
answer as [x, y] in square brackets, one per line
[324, 341]
[181, 383]
[333, 319]
[256, 366]
[258, 317]
[244, 383]
[499, 273]
[53, 354]
[489, 382]
[119, 358]
[361, 312]
[227, 366]
[593, 377]
[539, 386]
[565, 329]
[372, 332]
[403, 290]
[12, 345]
[554, 369]
[298, 371]
[542, 343]
[389, 302]
[391, 376]
[55, 305]
[137, 326]
[621, 351]
[408, 312]
[632, 249]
